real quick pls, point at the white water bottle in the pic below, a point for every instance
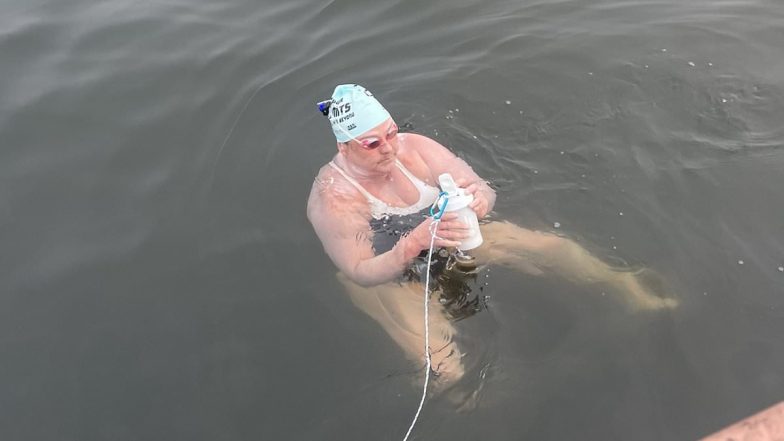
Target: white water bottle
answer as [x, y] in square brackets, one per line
[458, 203]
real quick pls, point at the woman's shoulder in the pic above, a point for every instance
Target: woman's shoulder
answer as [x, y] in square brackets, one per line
[415, 141]
[332, 193]
[420, 153]
[426, 148]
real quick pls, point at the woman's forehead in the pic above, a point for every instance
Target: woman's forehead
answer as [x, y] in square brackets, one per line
[380, 129]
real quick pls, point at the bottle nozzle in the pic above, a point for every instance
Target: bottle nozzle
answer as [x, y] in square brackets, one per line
[447, 184]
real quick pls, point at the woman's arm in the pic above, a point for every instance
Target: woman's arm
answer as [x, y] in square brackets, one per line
[344, 231]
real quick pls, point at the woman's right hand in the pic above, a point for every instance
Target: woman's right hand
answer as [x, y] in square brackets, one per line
[449, 234]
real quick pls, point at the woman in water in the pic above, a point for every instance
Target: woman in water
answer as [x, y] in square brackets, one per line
[369, 207]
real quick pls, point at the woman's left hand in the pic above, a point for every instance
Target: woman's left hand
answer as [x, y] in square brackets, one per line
[481, 203]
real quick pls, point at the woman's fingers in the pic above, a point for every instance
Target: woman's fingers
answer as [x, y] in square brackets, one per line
[454, 231]
[471, 189]
[446, 240]
[479, 205]
[448, 217]
[452, 234]
[448, 231]
[468, 187]
[443, 243]
[451, 223]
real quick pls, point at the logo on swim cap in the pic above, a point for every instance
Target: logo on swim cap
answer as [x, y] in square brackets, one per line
[353, 111]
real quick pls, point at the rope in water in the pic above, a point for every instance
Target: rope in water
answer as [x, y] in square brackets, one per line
[433, 231]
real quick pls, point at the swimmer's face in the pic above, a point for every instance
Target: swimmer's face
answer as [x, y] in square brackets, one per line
[375, 149]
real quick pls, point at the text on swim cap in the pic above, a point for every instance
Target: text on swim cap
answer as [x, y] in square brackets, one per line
[340, 113]
[339, 110]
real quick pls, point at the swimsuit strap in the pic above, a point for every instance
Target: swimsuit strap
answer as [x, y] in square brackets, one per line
[353, 182]
[422, 186]
[379, 208]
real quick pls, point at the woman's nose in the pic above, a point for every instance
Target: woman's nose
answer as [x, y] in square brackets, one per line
[386, 145]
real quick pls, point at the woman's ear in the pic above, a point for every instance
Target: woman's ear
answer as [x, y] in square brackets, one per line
[342, 147]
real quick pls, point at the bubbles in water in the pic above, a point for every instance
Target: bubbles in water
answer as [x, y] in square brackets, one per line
[615, 247]
[508, 102]
[664, 50]
[457, 110]
[620, 213]
[590, 73]
[740, 262]
[710, 64]
[557, 224]
[536, 172]
[781, 269]
[562, 152]
[724, 100]
[705, 293]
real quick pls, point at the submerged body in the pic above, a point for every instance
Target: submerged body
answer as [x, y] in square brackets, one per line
[368, 208]
[381, 227]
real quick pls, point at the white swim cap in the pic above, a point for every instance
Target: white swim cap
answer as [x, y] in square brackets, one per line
[353, 111]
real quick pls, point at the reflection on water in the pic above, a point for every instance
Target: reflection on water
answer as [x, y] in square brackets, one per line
[160, 280]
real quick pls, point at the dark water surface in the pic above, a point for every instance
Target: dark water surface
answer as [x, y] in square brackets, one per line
[160, 281]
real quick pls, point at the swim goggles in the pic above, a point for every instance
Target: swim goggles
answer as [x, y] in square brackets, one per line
[368, 143]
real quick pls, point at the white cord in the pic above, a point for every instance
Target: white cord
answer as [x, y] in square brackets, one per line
[433, 230]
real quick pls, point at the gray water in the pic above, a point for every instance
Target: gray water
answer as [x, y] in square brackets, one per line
[160, 281]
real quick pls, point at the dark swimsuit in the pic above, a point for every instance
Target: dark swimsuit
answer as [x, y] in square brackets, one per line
[389, 224]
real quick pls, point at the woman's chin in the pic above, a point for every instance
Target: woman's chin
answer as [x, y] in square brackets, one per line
[387, 164]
